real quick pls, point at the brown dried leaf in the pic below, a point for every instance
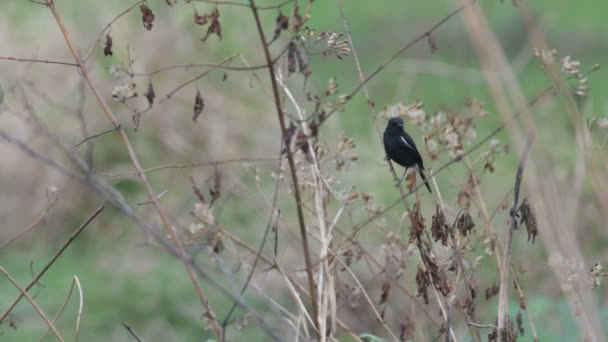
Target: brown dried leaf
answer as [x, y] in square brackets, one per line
[196, 190]
[214, 27]
[520, 325]
[149, 94]
[439, 226]
[216, 189]
[491, 291]
[386, 290]
[107, 48]
[417, 224]
[282, 25]
[464, 223]
[303, 64]
[147, 16]
[200, 19]
[291, 57]
[422, 281]
[529, 219]
[407, 328]
[199, 103]
[296, 20]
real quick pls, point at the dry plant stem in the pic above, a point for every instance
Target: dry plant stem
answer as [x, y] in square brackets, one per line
[273, 213]
[373, 115]
[65, 302]
[16, 59]
[292, 167]
[31, 300]
[188, 165]
[80, 304]
[240, 4]
[369, 301]
[53, 259]
[456, 250]
[411, 43]
[96, 43]
[380, 213]
[131, 332]
[503, 300]
[183, 256]
[33, 224]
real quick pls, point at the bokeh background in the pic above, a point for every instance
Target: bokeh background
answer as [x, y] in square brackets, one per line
[126, 277]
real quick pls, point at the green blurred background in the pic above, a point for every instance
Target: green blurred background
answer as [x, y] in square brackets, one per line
[126, 278]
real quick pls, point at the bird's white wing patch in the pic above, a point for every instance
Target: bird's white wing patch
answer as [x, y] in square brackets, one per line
[405, 142]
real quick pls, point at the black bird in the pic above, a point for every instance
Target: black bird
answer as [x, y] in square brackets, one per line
[400, 148]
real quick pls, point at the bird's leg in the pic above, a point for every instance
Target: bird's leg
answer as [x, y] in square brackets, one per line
[400, 180]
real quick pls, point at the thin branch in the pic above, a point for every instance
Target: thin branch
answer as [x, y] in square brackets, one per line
[134, 159]
[187, 165]
[423, 36]
[33, 224]
[43, 61]
[29, 151]
[240, 4]
[130, 330]
[31, 300]
[503, 304]
[52, 261]
[60, 311]
[96, 43]
[476, 325]
[80, 304]
[274, 217]
[95, 136]
[292, 167]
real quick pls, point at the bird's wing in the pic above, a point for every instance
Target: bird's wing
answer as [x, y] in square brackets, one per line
[408, 143]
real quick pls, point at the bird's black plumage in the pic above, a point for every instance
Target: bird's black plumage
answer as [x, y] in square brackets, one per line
[400, 148]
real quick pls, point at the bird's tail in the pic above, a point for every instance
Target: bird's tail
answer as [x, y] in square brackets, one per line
[419, 169]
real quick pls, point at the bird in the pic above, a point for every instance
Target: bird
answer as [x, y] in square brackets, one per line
[401, 149]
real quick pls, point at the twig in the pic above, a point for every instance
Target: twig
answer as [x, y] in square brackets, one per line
[274, 217]
[44, 61]
[80, 304]
[95, 136]
[86, 56]
[130, 330]
[292, 167]
[503, 300]
[31, 300]
[33, 224]
[53, 259]
[187, 165]
[60, 311]
[476, 325]
[424, 35]
[240, 4]
[134, 159]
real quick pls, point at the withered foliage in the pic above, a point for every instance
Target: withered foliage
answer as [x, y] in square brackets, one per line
[147, 16]
[296, 60]
[282, 25]
[149, 94]
[529, 219]
[417, 224]
[439, 226]
[464, 223]
[199, 104]
[407, 328]
[440, 279]
[197, 190]
[214, 23]
[215, 190]
[386, 290]
[492, 291]
[423, 282]
[107, 47]
[520, 323]
[508, 335]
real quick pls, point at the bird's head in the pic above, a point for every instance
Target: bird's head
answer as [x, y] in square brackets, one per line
[395, 124]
